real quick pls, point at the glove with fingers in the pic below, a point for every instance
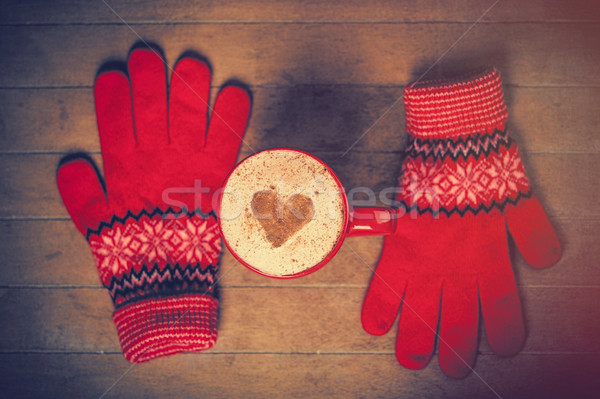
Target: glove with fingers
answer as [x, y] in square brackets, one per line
[150, 224]
[462, 186]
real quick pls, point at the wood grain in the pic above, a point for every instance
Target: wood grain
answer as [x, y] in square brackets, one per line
[293, 376]
[86, 11]
[311, 117]
[279, 319]
[321, 75]
[373, 54]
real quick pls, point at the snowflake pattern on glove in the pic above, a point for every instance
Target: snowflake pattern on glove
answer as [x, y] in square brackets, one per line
[199, 240]
[460, 184]
[114, 251]
[134, 243]
[155, 239]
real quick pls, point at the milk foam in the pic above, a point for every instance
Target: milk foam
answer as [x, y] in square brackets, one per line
[287, 173]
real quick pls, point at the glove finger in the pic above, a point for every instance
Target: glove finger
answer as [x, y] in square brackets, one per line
[227, 127]
[82, 194]
[113, 112]
[533, 233]
[225, 133]
[149, 88]
[501, 306]
[188, 103]
[385, 292]
[418, 322]
[458, 328]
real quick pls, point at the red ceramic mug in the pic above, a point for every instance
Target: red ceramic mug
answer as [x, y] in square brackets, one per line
[284, 213]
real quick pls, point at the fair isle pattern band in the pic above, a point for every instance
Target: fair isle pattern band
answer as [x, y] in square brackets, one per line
[168, 280]
[160, 269]
[453, 109]
[441, 182]
[154, 241]
[477, 145]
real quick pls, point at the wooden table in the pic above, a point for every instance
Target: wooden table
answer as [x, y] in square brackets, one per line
[326, 78]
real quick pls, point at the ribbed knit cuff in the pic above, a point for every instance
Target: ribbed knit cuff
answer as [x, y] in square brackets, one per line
[458, 108]
[163, 326]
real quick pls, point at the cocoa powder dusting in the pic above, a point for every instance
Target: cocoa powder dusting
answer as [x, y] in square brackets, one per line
[281, 218]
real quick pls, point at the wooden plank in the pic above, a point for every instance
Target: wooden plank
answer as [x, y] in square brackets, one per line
[85, 11]
[45, 253]
[558, 180]
[554, 119]
[280, 319]
[292, 376]
[44, 120]
[565, 183]
[375, 54]
[53, 253]
[321, 73]
[578, 265]
[312, 117]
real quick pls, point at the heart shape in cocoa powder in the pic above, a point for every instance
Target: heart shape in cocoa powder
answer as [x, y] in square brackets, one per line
[281, 219]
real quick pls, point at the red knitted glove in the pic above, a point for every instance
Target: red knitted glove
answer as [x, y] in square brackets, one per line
[157, 248]
[463, 184]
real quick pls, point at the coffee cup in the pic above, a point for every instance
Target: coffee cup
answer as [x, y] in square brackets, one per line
[284, 213]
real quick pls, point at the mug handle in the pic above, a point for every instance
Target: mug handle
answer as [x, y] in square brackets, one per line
[372, 222]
